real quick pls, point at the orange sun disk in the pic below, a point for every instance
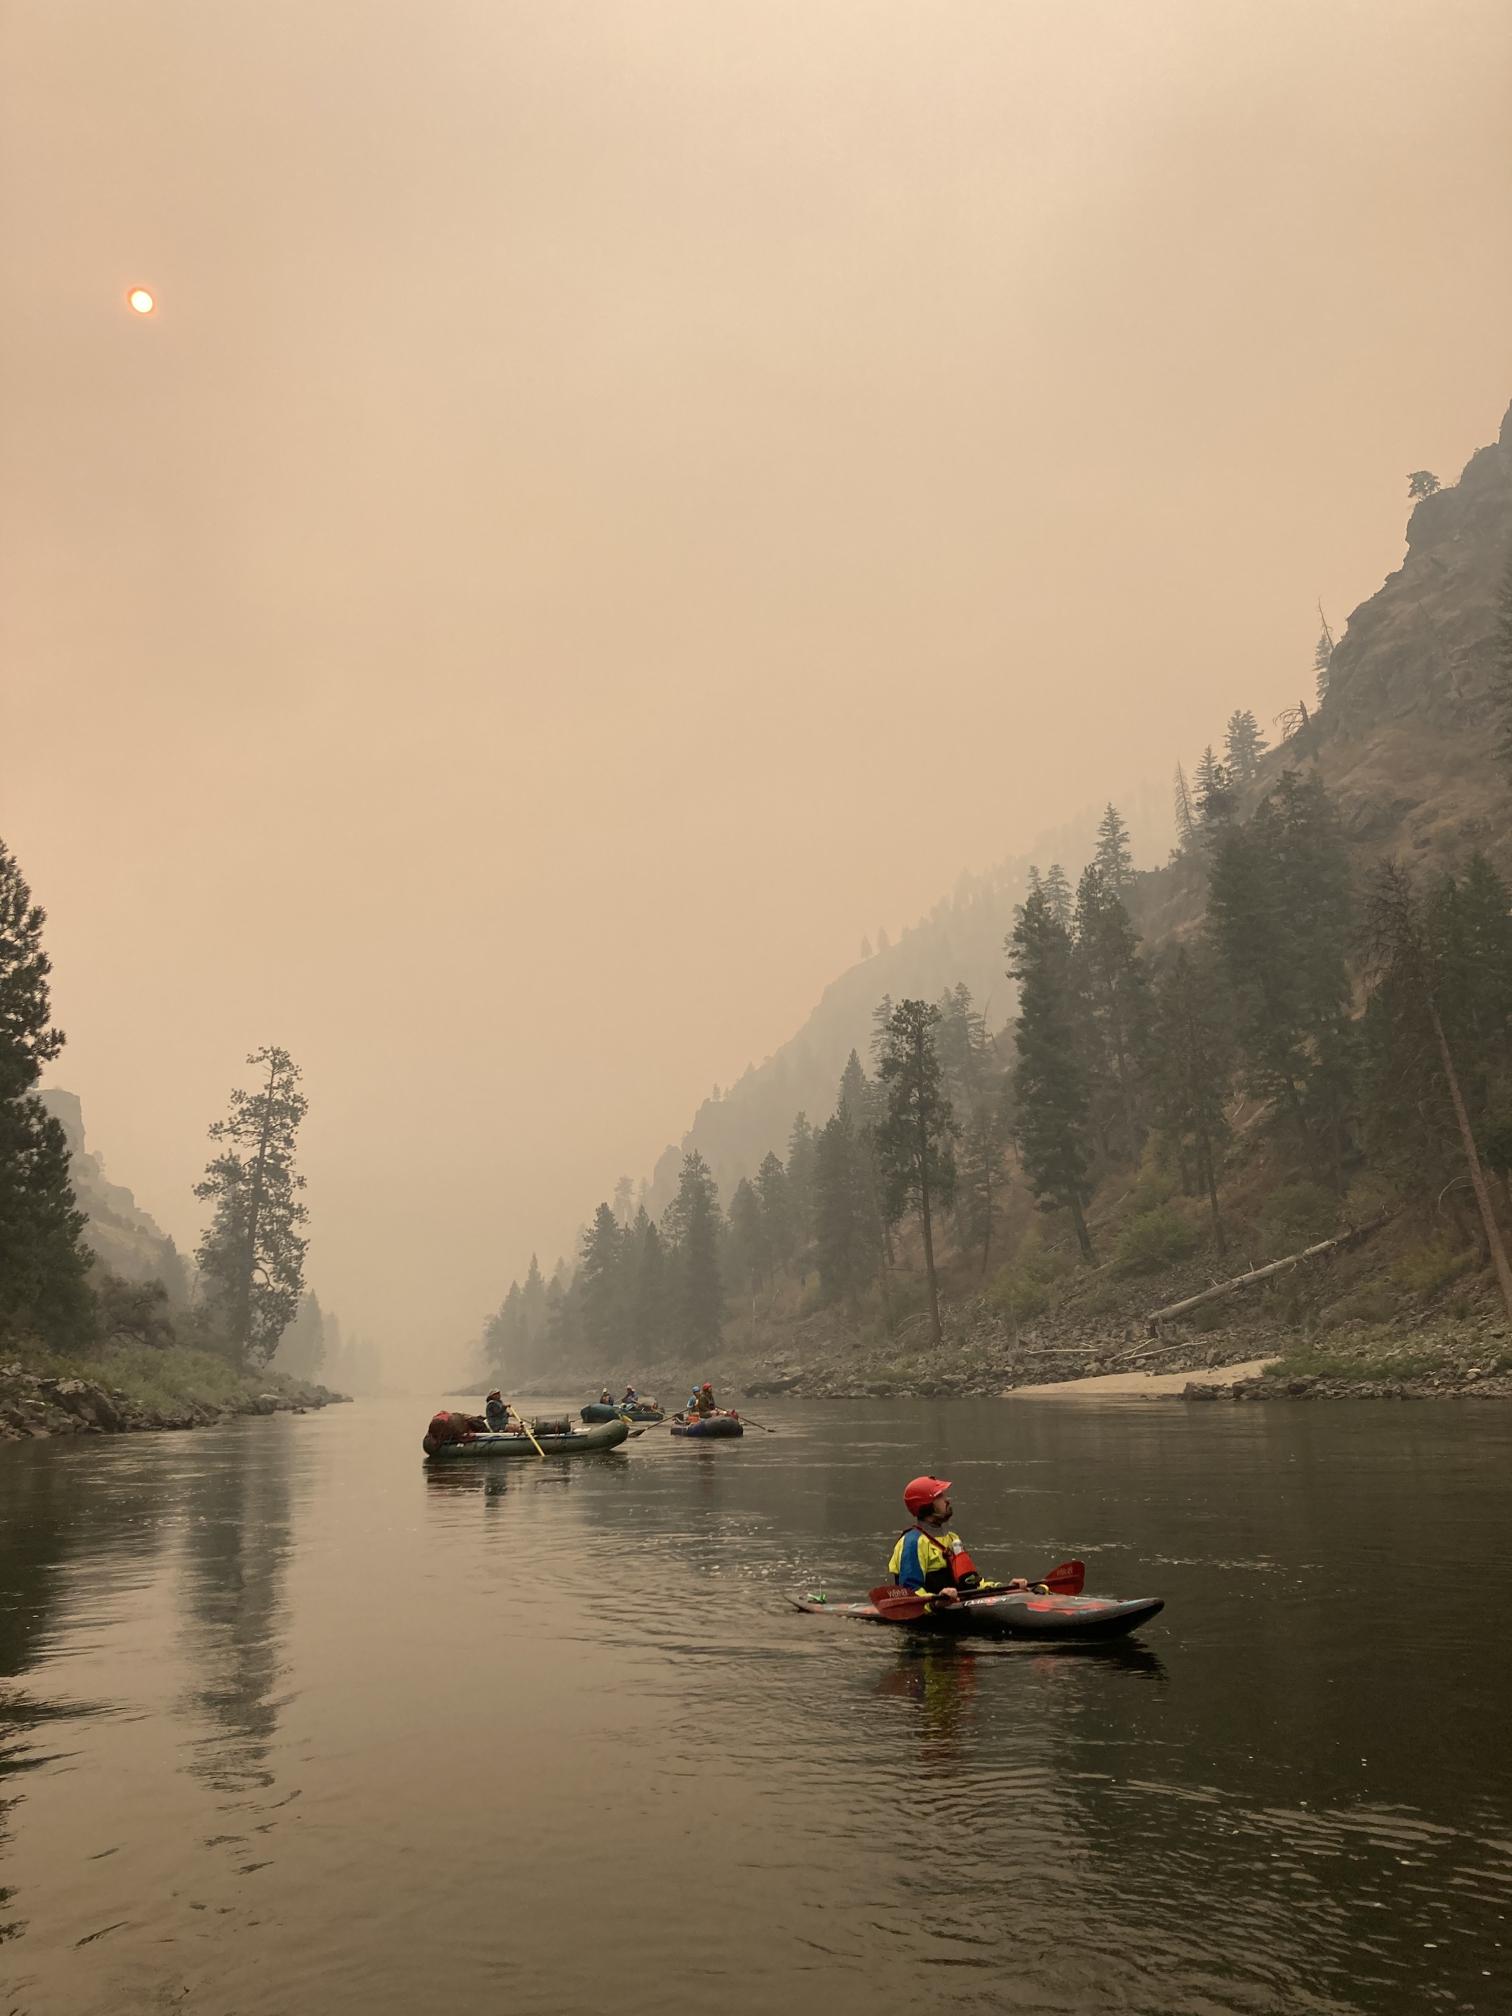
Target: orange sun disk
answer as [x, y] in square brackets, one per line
[141, 301]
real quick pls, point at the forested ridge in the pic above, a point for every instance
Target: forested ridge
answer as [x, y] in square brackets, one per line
[1301, 1022]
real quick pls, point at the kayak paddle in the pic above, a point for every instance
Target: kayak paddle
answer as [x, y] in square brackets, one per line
[902, 1606]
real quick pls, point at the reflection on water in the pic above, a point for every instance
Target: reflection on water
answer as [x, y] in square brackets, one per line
[285, 1715]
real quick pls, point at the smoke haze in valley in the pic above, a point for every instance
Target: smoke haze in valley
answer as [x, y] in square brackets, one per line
[619, 500]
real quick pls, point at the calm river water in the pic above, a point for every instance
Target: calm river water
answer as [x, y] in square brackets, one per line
[291, 1725]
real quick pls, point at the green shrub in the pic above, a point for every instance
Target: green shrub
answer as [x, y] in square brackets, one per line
[1153, 1239]
[1015, 1293]
[1372, 1302]
[1424, 1270]
[1299, 1214]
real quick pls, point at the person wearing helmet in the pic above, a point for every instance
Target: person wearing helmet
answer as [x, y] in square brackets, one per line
[931, 1556]
[631, 1398]
[496, 1409]
[606, 1398]
[701, 1402]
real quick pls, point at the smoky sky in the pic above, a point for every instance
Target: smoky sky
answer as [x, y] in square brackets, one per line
[619, 500]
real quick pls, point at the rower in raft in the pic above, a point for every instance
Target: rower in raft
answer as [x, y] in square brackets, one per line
[931, 1556]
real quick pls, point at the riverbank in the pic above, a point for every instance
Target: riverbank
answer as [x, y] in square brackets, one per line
[130, 1390]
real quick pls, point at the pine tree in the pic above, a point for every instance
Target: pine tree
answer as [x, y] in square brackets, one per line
[866, 947]
[775, 1194]
[533, 1309]
[1050, 1081]
[1115, 990]
[599, 1284]
[624, 1200]
[1215, 791]
[1058, 894]
[845, 1243]
[917, 1134]
[801, 1163]
[858, 1101]
[1114, 858]
[505, 1338]
[1243, 746]
[1186, 816]
[1192, 1055]
[1410, 977]
[1323, 652]
[252, 1256]
[979, 1158]
[1422, 483]
[301, 1349]
[1279, 906]
[44, 1263]
[694, 1217]
[650, 1310]
[750, 1256]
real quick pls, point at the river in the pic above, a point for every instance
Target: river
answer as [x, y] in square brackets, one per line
[290, 1724]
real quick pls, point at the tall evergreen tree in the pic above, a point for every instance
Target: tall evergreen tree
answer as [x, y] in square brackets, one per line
[1115, 991]
[1422, 483]
[1050, 1080]
[750, 1256]
[1192, 1053]
[1411, 970]
[694, 1217]
[599, 1284]
[505, 1337]
[252, 1256]
[858, 1100]
[1186, 813]
[650, 1310]
[1114, 858]
[1215, 791]
[775, 1195]
[1279, 905]
[1058, 895]
[1323, 652]
[44, 1263]
[1243, 746]
[846, 1247]
[916, 1138]
[801, 1162]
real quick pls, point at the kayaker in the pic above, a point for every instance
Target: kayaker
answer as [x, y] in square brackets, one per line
[931, 1556]
[496, 1409]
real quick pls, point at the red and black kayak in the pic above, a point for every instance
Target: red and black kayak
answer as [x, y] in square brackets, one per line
[1009, 1613]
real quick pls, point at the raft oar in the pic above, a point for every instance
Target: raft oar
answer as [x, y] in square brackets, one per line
[526, 1426]
[902, 1606]
[756, 1424]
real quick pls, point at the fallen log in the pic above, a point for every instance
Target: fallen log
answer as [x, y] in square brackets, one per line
[1159, 1316]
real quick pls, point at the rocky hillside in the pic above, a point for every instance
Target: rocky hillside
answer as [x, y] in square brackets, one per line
[122, 1236]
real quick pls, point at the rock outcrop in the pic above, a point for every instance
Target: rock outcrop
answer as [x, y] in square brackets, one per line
[34, 1404]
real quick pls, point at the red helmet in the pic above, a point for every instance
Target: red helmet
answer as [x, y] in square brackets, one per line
[923, 1491]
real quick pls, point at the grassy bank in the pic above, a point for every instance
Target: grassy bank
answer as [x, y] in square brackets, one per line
[128, 1386]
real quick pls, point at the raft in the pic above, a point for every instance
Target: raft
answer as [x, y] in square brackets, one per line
[600, 1410]
[711, 1425]
[1014, 1613]
[606, 1435]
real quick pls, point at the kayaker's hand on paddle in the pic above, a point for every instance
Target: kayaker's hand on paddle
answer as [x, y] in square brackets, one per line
[944, 1597]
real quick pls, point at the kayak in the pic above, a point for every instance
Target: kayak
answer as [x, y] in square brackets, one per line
[1014, 1613]
[606, 1435]
[715, 1424]
[600, 1410]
